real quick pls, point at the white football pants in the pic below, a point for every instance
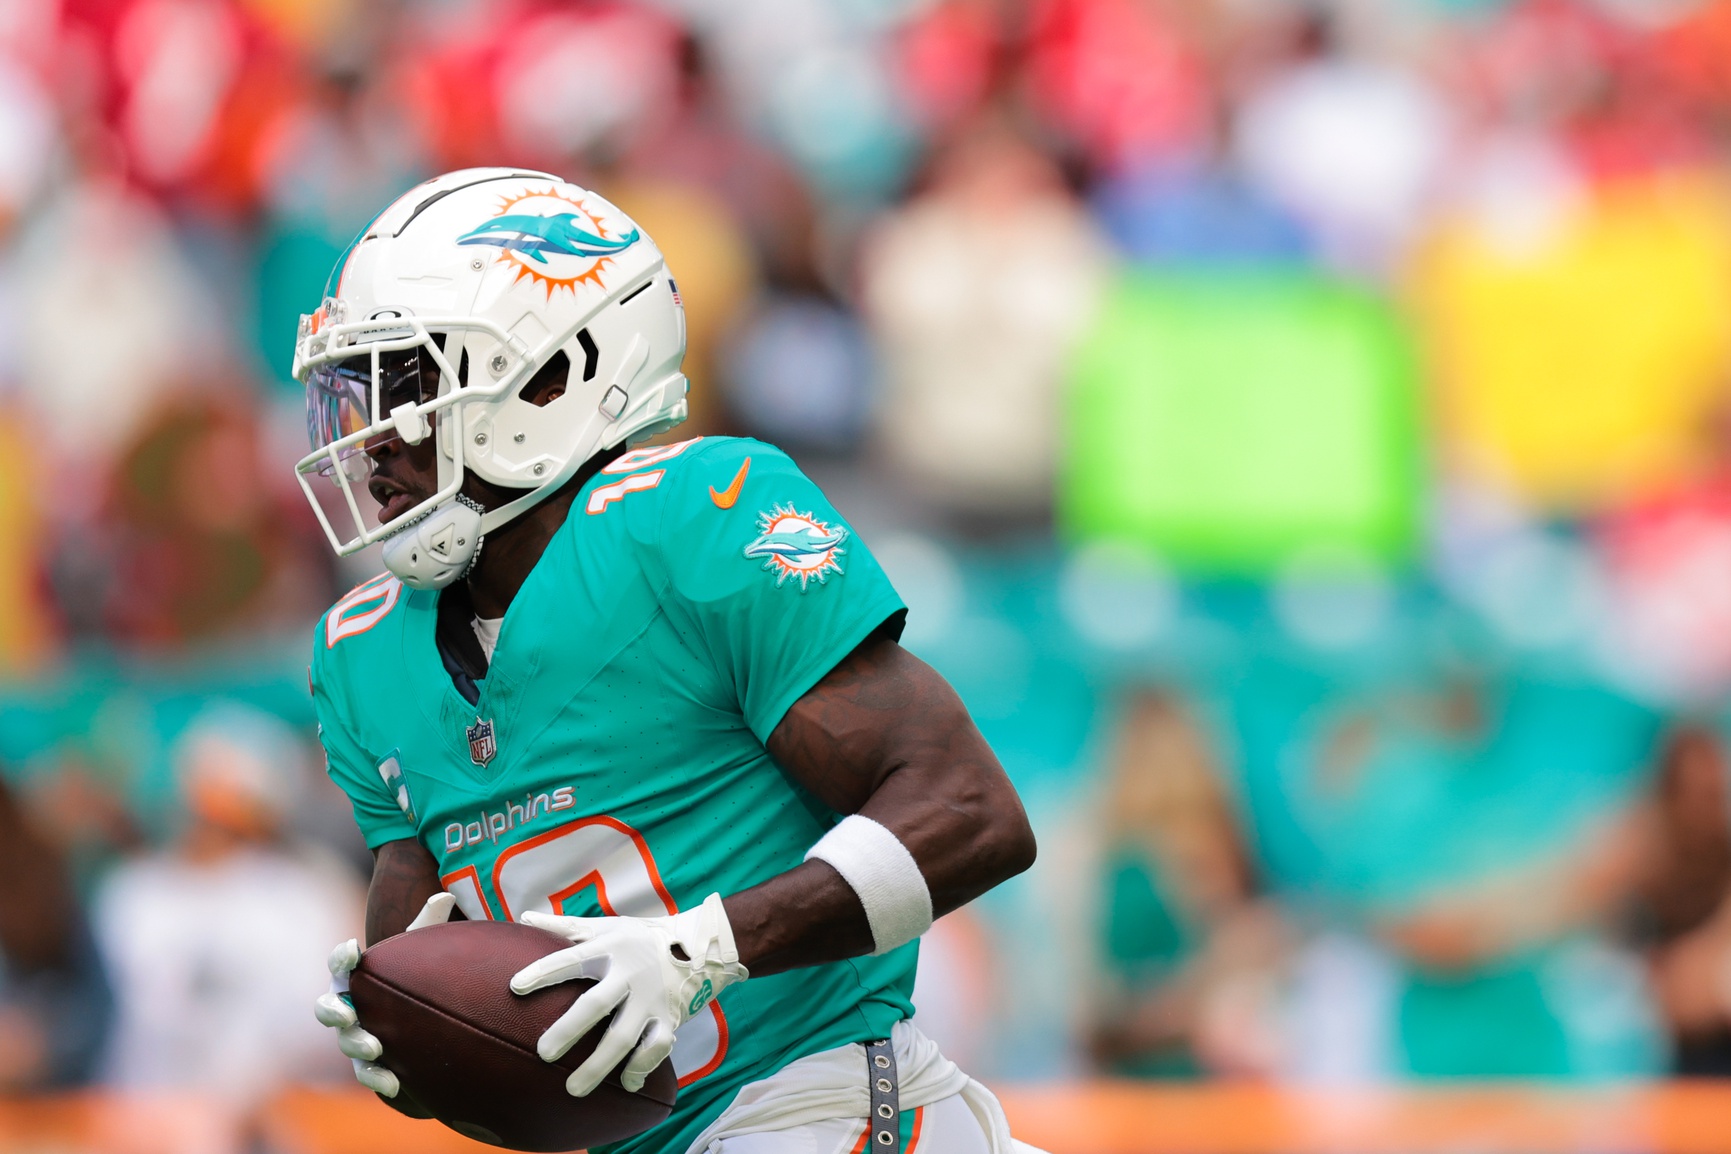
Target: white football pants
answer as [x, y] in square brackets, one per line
[818, 1105]
[946, 1126]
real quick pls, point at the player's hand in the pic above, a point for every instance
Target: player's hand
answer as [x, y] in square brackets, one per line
[651, 973]
[334, 1009]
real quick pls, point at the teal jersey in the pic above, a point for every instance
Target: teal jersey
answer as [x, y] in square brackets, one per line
[614, 762]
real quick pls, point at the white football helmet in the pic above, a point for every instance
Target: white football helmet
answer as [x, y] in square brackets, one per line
[476, 281]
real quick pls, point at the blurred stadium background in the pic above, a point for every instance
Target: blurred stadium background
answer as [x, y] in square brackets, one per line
[1302, 433]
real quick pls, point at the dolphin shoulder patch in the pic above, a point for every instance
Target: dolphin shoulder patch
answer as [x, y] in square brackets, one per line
[795, 544]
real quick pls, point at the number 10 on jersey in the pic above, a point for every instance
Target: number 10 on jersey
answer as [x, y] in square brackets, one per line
[550, 871]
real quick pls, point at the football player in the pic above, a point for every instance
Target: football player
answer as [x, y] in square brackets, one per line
[650, 699]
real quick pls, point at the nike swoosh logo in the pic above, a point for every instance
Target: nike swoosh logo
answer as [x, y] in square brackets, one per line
[726, 498]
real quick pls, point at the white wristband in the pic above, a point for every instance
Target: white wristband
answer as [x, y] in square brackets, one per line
[884, 874]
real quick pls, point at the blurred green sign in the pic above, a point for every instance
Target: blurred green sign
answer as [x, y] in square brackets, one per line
[1231, 422]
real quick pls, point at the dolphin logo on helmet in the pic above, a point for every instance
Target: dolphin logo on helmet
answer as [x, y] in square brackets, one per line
[536, 235]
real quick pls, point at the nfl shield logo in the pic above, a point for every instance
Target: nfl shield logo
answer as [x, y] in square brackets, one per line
[482, 747]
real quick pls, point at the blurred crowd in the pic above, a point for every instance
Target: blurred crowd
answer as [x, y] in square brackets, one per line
[1301, 430]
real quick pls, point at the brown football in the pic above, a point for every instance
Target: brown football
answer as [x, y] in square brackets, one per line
[463, 1045]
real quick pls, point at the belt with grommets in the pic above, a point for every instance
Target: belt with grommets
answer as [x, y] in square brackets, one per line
[885, 1124]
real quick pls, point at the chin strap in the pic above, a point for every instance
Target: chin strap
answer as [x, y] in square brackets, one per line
[480, 537]
[439, 548]
[497, 518]
[444, 546]
[492, 519]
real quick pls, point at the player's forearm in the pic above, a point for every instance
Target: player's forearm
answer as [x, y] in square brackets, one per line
[804, 917]
[883, 735]
[957, 814]
[964, 840]
[810, 915]
[405, 875]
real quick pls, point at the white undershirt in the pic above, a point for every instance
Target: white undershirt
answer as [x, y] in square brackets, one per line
[487, 632]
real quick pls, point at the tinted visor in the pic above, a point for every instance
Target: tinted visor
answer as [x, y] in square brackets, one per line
[340, 395]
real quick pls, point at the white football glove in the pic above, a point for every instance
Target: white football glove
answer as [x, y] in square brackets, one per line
[649, 989]
[333, 1009]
